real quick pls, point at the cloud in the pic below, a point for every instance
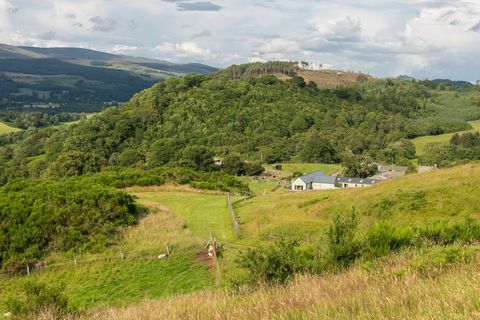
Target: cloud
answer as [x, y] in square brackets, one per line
[50, 35]
[103, 24]
[198, 6]
[476, 28]
[202, 34]
[124, 49]
[181, 51]
[347, 29]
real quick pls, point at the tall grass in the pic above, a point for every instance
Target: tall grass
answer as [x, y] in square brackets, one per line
[395, 290]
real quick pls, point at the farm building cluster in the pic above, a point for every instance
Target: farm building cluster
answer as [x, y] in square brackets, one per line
[318, 180]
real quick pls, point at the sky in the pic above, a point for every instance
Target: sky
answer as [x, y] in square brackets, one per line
[421, 38]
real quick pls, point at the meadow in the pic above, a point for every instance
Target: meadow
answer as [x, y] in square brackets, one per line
[421, 142]
[129, 271]
[6, 128]
[182, 218]
[438, 283]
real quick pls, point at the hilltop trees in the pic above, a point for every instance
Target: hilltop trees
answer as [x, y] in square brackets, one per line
[243, 110]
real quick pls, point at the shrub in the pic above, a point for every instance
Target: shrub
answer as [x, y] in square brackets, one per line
[274, 264]
[444, 232]
[342, 243]
[384, 238]
[39, 298]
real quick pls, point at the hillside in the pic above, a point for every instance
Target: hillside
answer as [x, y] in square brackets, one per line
[407, 287]
[183, 218]
[75, 79]
[246, 111]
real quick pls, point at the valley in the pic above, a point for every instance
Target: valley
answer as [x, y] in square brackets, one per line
[111, 214]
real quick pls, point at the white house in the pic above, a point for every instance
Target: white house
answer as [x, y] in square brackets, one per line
[314, 181]
[320, 181]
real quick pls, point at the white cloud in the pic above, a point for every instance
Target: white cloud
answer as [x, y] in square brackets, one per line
[124, 49]
[184, 50]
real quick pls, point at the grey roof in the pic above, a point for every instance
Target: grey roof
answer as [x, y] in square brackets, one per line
[385, 168]
[308, 178]
[325, 179]
[356, 180]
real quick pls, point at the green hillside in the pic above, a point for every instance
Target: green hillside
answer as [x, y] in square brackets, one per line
[183, 218]
[421, 142]
[5, 128]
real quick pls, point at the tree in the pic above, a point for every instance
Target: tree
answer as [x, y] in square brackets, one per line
[234, 165]
[318, 149]
[358, 166]
[198, 158]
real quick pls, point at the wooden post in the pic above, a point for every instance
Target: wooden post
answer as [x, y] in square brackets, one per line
[168, 251]
[121, 255]
[75, 259]
[28, 269]
[215, 257]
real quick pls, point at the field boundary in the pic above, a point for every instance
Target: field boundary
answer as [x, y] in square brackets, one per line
[236, 224]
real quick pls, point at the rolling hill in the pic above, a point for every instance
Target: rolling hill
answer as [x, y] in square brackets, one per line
[76, 79]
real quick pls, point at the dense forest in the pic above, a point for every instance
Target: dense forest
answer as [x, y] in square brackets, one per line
[188, 121]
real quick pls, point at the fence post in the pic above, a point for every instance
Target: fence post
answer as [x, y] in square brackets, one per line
[74, 259]
[236, 224]
[28, 269]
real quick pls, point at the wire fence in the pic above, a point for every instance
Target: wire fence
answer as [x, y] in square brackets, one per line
[79, 261]
[235, 219]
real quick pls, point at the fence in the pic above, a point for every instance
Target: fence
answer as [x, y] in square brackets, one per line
[235, 220]
[79, 261]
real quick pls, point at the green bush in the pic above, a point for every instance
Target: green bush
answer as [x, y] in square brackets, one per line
[384, 238]
[74, 214]
[343, 246]
[275, 264]
[39, 298]
[444, 232]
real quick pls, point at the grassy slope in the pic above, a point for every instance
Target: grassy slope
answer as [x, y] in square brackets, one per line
[105, 279]
[180, 222]
[441, 283]
[5, 128]
[203, 213]
[421, 142]
[445, 193]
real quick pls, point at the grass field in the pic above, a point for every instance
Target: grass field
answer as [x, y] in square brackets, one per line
[106, 279]
[183, 219]
[421, 142]
[444, 193]
[441, 283]
[203, 213]
[5, 128]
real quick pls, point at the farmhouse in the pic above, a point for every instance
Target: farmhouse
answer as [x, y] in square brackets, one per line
[320, 181]
[314, 181]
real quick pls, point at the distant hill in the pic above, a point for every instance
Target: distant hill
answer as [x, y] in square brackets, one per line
[460, 83]
[405, 78]
[76, 79]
